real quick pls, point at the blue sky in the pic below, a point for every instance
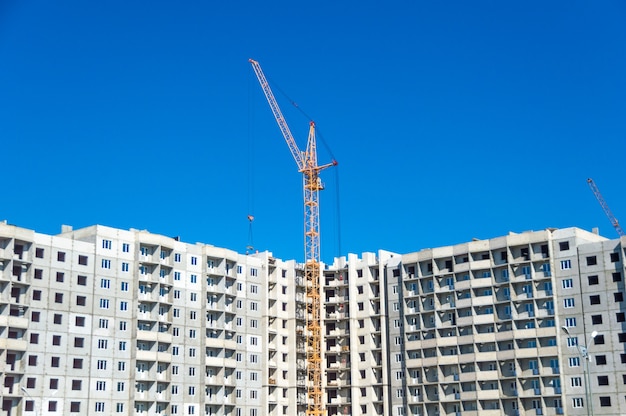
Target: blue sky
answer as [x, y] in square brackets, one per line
[450, 120]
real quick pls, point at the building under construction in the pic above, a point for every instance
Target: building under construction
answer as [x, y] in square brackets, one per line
[107, 321]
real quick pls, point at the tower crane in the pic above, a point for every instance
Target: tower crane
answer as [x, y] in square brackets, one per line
[307, 165]
[605, 207]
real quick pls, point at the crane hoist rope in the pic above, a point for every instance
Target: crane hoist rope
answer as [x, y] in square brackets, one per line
[307, 165]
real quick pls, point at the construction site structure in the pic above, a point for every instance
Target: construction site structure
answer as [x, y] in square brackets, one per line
[308, 166]
[605, 207]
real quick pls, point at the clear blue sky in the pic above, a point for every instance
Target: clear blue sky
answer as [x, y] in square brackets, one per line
[450, 120]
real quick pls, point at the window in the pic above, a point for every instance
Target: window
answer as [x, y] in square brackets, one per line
[603, 380]
[100, 407]
[76, 384]
[576, 382]
[38, 274]
[254, 288]
[106, 244]
[592, 260]
[620, 316]
[34, 338]
[58, 318]
[56, 340]
[81, 300]
[61, 256]
[605, 401]
[619, 296]
[104, 304]
[52, 406]
[106, 263]
[596, 319]
[82, 260]
[124, 267]
[121, 366]
[568, 302]
[54, 361]
[39, 252]
[82, 280]
[594, 300]
[36, 294]
[101, 385]
[567, 283]
[564, 245]
[574, 361]
[600, 359]
[78, 363]
[60, 277]
[572, 341]
[598, 340]
[105, 283]
[75, 407]
[124, 287]
[123, 306]
[617, 277]
[577, 402]
[79, 342]
[103, 323]
[102, 344]
[35, 315]
[122, 325]
[122, 345]
[194, 261]
[570, 322]
[58, 298]
[566, 264]
[593, 280]
[125, 247]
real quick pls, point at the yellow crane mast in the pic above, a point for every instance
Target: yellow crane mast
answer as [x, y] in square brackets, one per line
[307, 165]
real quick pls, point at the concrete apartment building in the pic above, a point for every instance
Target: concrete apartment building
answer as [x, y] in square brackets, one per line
[107, 321]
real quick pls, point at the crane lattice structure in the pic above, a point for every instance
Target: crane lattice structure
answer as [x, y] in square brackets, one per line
[307, 165]
[605, 207]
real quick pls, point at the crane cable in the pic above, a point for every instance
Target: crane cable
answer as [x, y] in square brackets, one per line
[250, 245]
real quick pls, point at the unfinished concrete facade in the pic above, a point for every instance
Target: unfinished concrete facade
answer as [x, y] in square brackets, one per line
[127, 322]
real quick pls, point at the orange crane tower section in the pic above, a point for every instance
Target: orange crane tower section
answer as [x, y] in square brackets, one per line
[307, 165]
[605, 207]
